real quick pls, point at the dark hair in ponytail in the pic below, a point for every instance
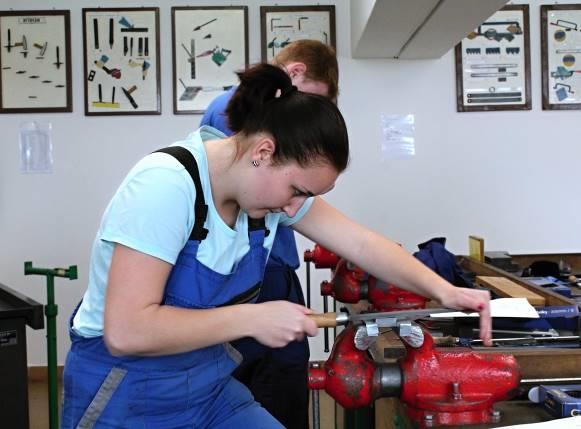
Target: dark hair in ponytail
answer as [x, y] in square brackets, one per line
[304, 126]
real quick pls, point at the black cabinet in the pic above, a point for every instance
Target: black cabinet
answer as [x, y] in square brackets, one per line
[16, 311]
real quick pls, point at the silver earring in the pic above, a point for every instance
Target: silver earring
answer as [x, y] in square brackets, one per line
[255, 163]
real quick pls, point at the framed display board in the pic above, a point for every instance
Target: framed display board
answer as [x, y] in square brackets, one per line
[121, 57]
[281, 25]
[560, 50]
[209, 45]
[493, 65]
[35, 61]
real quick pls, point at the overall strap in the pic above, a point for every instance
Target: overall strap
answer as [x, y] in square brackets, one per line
[257, 224]
[186, 158]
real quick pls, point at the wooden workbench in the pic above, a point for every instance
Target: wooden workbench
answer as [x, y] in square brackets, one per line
[534, 363]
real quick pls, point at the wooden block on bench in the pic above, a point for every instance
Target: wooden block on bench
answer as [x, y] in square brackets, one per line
[507, 288]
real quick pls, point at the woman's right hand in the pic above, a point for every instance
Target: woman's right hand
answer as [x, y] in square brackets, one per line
[277, 323]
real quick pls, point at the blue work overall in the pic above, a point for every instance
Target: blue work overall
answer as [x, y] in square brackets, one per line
[187, 390]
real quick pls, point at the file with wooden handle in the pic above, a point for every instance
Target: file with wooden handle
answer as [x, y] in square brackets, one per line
[383, 319]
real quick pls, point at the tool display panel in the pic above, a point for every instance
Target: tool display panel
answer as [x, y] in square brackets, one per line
[281, 25]
[121, 61]
[493, 69]
[35, 61]
[16, 311]
[560, 50]
[209, 45]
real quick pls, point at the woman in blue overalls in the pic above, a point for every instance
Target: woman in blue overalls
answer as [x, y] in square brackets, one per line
[180, 254]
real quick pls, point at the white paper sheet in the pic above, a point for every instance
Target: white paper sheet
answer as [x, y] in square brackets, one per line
[567, 423]
[501, 307]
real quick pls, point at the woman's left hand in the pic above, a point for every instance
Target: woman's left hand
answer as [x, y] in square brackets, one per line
[472, 299]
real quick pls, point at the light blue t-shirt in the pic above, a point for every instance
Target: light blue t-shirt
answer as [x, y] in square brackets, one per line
[153, 212]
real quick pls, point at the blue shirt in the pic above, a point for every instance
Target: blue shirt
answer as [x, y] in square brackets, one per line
[284, 251]
[153, 212]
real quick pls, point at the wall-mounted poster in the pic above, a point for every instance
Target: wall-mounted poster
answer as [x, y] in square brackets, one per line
[280, 25]
[561, 56]
[209, 45]
[121, 57]
[35, 61]
[493, 66]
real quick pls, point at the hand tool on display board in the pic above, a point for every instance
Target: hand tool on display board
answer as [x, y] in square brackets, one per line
[513, 29]
[96, 33]
[199, 27]
[498, 75]
[494, 97]
[220, 56]
[111, 31]
[9, 45]
[190, 92]
[51, 312]
[114, 72]
[300, 19]
[128, 93]
[105, 104]
[563, 73]
[274, 44]
[58, 62]
[131, 47]
[567, 25]
[273, 26]
[146, 47]
[130, 28]
[569, 51]
[191, 58]
[145, 65]
[562, 91]
[492, 51]
[24, 45]
[500, 67]
[125, 46]
[42, 49]
[144, 68]
[205, 53]
[140, 47]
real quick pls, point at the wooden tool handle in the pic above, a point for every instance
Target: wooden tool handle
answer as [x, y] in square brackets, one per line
[325, 320]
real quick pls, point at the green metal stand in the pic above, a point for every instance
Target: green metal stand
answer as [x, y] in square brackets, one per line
[51, 311]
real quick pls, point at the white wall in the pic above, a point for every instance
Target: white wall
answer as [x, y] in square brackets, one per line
[511, 177]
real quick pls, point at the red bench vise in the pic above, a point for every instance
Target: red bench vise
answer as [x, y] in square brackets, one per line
[350, 284]
[439, 386]
[321, 257]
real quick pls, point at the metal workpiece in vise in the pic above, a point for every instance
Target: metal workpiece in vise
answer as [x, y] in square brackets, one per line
[350, 284]
[440, 386]
[51, 312]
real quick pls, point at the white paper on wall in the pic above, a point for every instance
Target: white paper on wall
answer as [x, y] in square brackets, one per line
[35, 148]
[398, 136]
